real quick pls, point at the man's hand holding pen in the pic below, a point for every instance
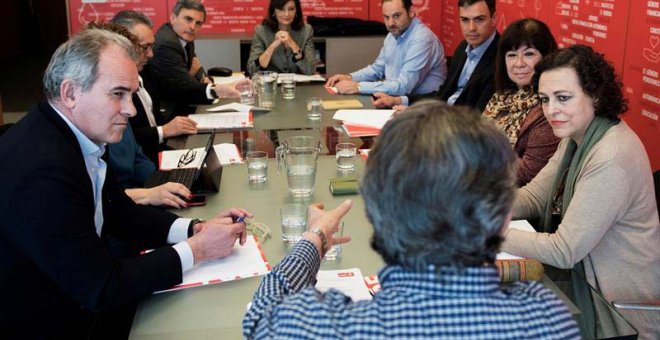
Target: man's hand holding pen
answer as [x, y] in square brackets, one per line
[216, 237]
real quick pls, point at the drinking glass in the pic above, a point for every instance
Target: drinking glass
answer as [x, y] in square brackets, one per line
[257, 166]
[314, 108]
[247, 93]
[288, 85]
[345, 156]
[334, 252]
[294, 222]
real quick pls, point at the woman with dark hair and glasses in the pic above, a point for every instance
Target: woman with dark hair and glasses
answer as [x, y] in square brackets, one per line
[595, 196]
[283, 42]
[515, 107]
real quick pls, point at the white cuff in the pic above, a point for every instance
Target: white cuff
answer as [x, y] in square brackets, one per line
[185, 254]
[208, 92]
[404, 100]
[160, 134]
[178, 230]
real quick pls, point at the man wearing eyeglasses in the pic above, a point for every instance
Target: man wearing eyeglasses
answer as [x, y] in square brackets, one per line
[150, 126]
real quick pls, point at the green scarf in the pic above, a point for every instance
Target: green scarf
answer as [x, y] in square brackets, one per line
[572, 161]
[566, 176]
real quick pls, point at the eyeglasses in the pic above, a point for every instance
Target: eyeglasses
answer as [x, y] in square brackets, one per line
[258, 229]
[146, 47]
[187, 158]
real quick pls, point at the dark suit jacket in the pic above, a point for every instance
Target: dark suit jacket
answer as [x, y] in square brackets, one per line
[160, 87]
[171, 63]
[56, 273]
[479, 88]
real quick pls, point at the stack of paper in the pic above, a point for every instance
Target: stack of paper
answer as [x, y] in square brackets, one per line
[520, 225]
[228, 153]
[360, 123]
[245, 261]
[237, 107]
[347, 281]
[237, 76]
[228, 120]
[303, 78]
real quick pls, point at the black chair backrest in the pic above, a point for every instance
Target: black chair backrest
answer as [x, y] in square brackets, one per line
[5, 127]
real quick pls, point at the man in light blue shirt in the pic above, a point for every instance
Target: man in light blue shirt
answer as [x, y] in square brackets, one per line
[412, 60]
[471, 77]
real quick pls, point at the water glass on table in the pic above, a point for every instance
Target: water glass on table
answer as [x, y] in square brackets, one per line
[288, 85]
[334, 252]
[257, 166]
[314, 108]
[345, 155]
[247, 93]
[294, 222]
[266, 84]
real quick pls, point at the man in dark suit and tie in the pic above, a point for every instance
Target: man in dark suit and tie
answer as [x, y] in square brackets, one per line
[471, 76]
[174, 50]
[63, 214]
[150, 126]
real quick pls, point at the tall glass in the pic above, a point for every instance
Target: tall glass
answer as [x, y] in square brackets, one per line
[266, 84]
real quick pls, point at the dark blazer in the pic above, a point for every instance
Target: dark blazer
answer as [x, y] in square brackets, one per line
[171, 62]
[158, 88]
[479, 88]
[56, 274]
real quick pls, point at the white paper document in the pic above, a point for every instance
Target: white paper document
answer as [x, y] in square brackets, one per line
[226, 120]
[520, 225]
[227, 153]
[238, 107]
[370, 118]
[348, 281]
[228, 80]
[245, 261]
[182, 159]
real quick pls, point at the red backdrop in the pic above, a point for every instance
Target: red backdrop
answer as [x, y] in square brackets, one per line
[82, 12]
[626, 31]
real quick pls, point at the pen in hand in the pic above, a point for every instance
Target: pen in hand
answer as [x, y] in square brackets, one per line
[242, 236]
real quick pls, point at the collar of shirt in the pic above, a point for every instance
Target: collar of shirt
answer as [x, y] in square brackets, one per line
[88, 147]
[408, 32]
[479, 51]
[448, 282]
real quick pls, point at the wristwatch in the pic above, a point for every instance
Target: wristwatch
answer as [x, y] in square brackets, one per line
[324, 240]
[213, 93]
[191, 229]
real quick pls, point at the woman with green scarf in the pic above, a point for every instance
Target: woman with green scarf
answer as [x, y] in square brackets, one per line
[595, 197]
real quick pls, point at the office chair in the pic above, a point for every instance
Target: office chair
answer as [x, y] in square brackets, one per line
[5, 127]
[653, 305]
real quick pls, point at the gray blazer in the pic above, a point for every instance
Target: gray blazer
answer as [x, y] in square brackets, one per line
[282, 59]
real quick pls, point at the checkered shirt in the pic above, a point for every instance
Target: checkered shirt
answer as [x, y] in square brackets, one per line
[411, 305]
